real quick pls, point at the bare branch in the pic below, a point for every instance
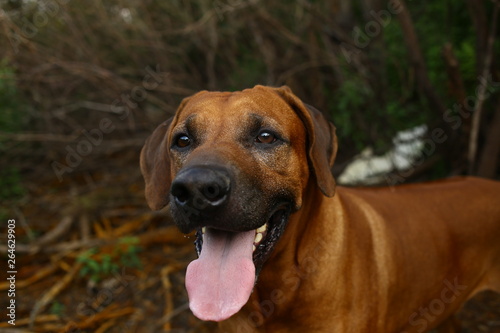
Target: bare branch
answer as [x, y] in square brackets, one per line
[478, 107]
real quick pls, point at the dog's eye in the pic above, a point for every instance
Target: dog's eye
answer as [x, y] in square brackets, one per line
[265, 137]
[183, 141]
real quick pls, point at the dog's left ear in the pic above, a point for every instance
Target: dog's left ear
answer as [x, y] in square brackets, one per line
[155, 162]
[155, 167]
[322, 141]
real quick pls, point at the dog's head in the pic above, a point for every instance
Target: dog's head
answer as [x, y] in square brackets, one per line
[234, 166]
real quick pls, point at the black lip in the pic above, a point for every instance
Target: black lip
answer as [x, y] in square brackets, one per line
[275, 227]
[276, 224]
[198, 242]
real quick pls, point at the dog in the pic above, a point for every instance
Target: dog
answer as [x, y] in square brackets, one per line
[283, 249]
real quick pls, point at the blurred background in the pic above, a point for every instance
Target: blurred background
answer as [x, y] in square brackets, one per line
[413, 88]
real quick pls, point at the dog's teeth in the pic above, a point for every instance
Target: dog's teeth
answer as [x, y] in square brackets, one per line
[254, 247]
[262, 228]
[204, 229]
[258, 238]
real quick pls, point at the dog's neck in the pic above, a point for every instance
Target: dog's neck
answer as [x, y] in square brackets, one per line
[300, 264]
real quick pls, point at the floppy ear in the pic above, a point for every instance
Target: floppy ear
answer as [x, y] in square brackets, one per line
[155, 167]
[322, 141]
[155, 163]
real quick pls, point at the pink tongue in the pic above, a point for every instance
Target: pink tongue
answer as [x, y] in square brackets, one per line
[220, 281]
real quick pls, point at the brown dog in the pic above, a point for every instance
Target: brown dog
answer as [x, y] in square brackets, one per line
[250, 171]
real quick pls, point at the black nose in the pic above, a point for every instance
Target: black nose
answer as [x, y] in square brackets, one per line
[201, 188]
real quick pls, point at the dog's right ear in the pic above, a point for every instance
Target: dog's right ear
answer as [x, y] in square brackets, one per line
[155, 167]
[322, 140]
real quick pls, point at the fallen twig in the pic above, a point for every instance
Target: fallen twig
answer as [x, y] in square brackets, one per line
[25, 321]
[104, 327]
[167, 287]
[174, 313]
[62, 228]
[478, 107]
[109, 312]
[40, 274]
[53, 292]
[168, 235]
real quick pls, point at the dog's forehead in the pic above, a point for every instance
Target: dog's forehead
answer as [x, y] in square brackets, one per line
[238, 105]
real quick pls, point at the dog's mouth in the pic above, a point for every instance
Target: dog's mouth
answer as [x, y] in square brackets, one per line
[266, 236]
[221, 280]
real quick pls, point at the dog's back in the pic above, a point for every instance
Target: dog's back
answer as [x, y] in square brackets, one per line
[430, 209]
[442, 236]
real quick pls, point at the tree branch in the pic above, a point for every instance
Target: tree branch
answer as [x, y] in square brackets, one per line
[478, 108]
[417, 59]
[490, 156]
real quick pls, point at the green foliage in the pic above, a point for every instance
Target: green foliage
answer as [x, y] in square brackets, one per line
[248, 72]
[98, 266]
[57, 308]
[12, 111]
[11, 188]
[91, 267]
[5, 214]
[351, 97]
[11, 106]
[129, 257]
[466, 56]
[438, 23]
